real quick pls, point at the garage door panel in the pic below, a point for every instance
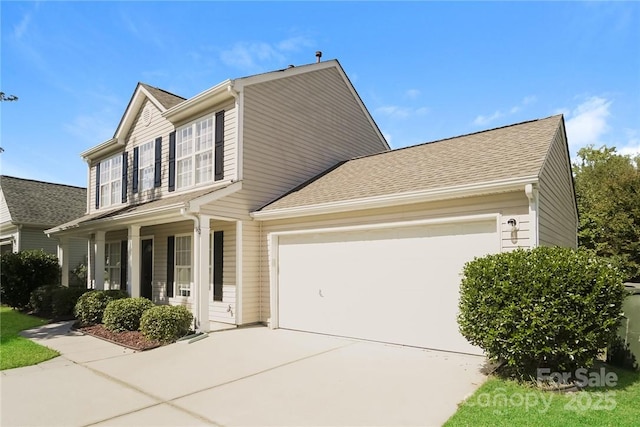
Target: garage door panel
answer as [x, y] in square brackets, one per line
[394, 285]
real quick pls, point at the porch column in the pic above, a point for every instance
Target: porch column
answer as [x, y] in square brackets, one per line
[99, 261]
[63, 260]
[91, 256]
[202, 258]
[133, 263]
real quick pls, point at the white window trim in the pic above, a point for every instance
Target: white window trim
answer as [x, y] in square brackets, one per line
[194, 153]
[149, 164]
[107, 246]
[118, 199]
[176, 294]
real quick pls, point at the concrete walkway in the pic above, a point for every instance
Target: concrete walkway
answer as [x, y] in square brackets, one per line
[244, 377]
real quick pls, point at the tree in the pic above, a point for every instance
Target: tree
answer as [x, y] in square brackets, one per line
[608, 196]
[4, 97]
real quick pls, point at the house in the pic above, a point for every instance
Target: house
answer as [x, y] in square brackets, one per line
[275, 199]
[29, 207]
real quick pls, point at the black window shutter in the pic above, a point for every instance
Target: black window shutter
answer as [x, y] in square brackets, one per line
[219, 147]
[125, 171]
[157, 177]
[98, 186]
[123, 264]
[171, 242]
[172, 161]
[136, 155]
[218, 249]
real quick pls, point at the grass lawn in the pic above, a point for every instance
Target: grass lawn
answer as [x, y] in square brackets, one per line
[16, 351]
[506, 403]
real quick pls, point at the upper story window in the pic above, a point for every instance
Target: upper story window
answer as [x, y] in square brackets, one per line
[146, 167]
[110, 181]
[194, 153]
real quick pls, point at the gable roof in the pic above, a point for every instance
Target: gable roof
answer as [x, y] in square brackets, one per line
[42, 203]
[167, 99]
[502, 155]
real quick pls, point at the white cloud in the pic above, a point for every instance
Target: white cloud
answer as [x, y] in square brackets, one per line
[397, 112]
[587, 123]
[412, 93]
[294, 44]
[632, 145]
[250, 56]
[91, 129]
[483, 120]
[21, 28]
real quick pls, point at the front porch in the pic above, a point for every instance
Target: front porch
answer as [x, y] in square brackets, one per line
[186, 260]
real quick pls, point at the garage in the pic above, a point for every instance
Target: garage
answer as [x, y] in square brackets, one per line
[390, 283]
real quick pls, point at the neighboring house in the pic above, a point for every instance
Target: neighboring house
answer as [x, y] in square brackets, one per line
[29, 207]
[275, 199]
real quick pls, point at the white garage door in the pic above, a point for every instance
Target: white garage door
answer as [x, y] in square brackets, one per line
[397, 285]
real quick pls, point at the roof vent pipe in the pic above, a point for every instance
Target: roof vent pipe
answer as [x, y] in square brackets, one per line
[318, 55]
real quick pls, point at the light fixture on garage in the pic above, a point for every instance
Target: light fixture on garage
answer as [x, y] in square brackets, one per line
[514, 230]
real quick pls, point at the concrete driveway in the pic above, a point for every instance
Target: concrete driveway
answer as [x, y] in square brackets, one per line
[245, 377]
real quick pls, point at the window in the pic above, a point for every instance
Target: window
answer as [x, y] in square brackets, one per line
[183, 269]
[146, 169]
[111, 181]
[194, 153]
[112, 264]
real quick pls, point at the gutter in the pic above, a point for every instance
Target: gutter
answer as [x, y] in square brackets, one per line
[397, 199]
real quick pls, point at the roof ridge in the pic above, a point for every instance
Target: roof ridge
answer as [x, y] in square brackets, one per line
[42, 182]
[456, 137]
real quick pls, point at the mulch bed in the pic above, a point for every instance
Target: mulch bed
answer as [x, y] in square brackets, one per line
[130, 339]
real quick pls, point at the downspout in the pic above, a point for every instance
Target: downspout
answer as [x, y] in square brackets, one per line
[196, 265]
[532, 195]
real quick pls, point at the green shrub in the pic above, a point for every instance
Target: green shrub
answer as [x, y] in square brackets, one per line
[41, 300]
[23, 272]
[124, 314]
[63, 301]
[90, 306]
[548, 307]
[166, 323]
[78, 276]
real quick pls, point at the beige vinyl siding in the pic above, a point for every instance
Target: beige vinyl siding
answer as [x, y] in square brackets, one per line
[507, 205]
[225, 310]
[557, 216]
[140, 134]
[251, 298]
[296, 128]
[5, 215]
[34, 238]
[77, 252]
[160, 233]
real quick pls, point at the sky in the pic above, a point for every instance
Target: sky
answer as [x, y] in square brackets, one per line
[425, 70]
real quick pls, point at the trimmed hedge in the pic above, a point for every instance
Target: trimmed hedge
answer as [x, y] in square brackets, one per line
[548, 307]
[166, 323]
[90, 306]
[23, 272]
[64, 300]
[54, 301]
[124, 314]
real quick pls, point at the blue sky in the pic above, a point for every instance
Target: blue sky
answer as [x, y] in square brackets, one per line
[425, 70]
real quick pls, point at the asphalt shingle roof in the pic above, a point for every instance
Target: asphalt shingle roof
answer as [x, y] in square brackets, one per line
[167, 99]
[42, 203]
[509, 152]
